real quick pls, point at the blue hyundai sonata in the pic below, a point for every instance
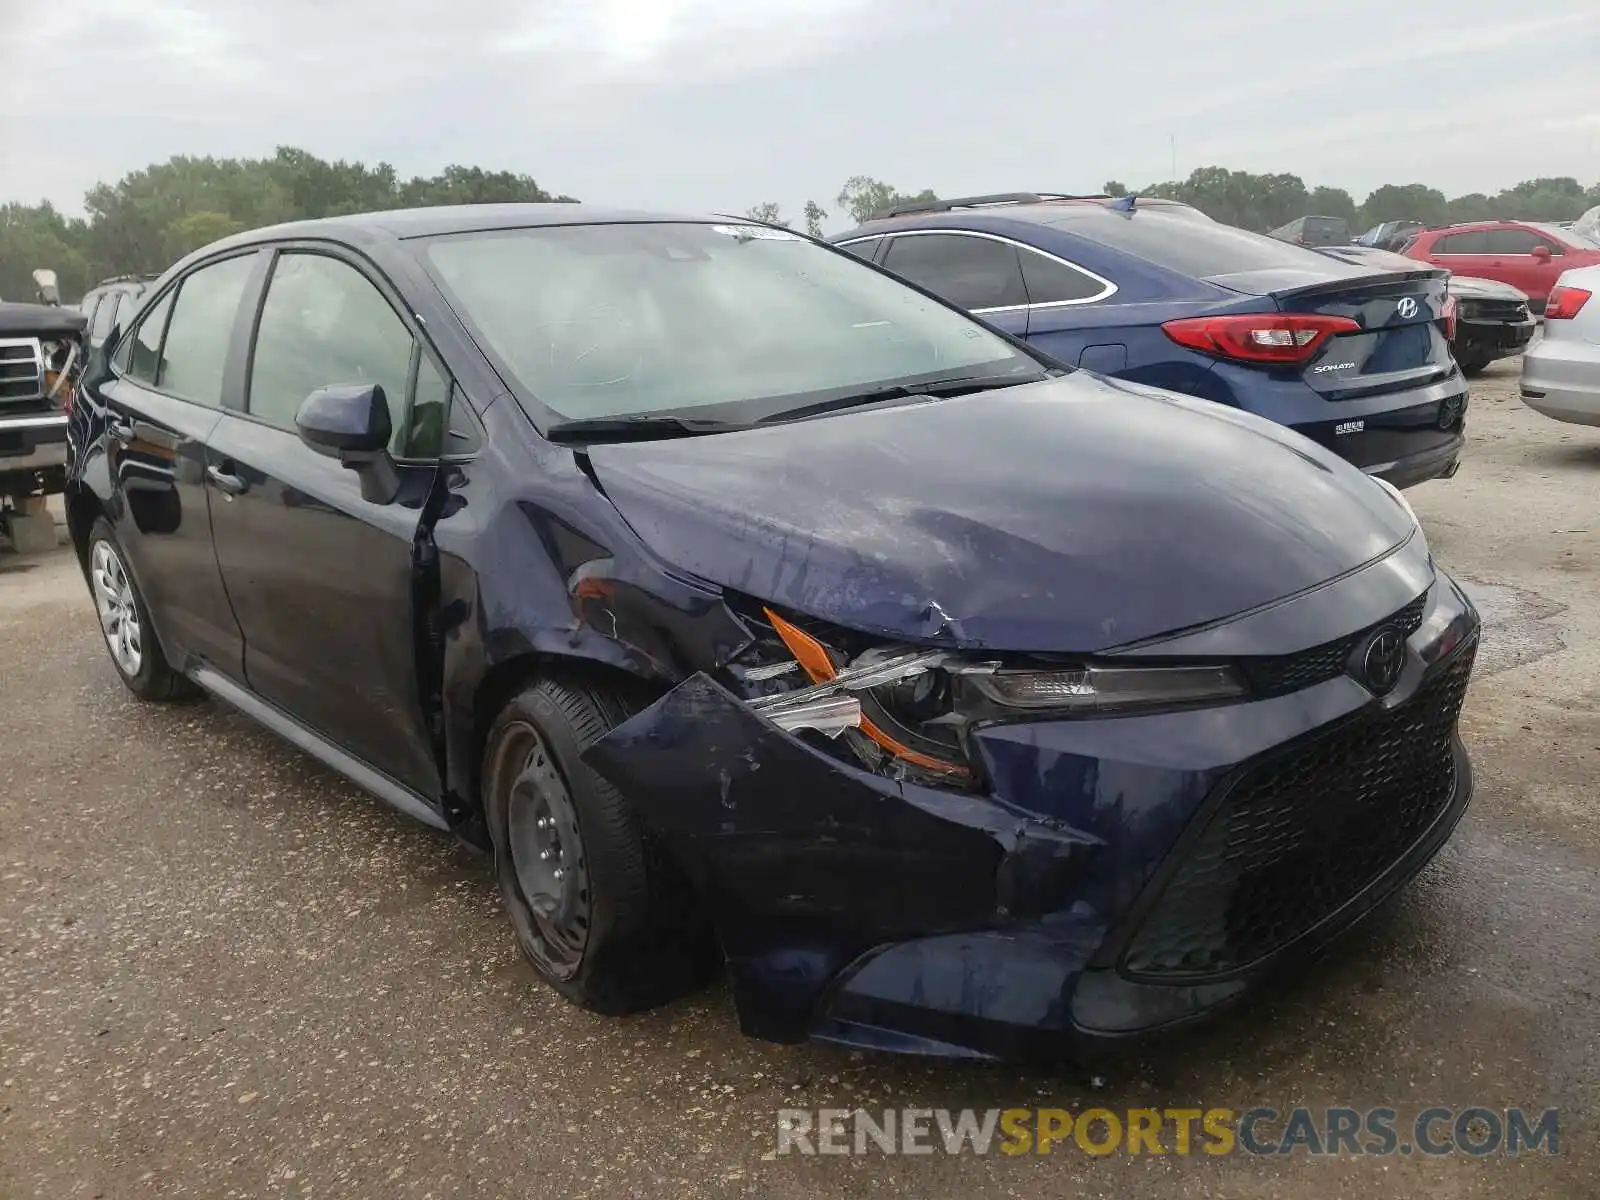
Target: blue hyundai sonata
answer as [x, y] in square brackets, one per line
[1352, 355]
[757, 610]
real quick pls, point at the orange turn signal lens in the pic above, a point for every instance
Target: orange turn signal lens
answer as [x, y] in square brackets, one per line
[816, 662]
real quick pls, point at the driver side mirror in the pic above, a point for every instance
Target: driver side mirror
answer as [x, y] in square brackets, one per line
[350, 422]
[45, 286]
[1541, 254]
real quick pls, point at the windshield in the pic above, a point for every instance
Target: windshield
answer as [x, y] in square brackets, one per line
[603, 321]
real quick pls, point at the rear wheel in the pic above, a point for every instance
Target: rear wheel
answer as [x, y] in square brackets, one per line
[1473, 362]
[125, 622]
[601, 915]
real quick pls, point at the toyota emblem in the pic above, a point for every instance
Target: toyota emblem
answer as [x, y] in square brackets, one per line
[1381, 660]
[1408, 308]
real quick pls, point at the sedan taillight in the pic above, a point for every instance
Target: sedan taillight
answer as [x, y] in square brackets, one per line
[1271, 338]
[1450, 319]
[1565, 303]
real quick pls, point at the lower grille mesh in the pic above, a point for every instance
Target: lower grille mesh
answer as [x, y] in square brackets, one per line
[1301, 835]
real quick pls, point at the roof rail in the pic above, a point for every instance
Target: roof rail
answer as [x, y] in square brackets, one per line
[998, 198]
[127, 279]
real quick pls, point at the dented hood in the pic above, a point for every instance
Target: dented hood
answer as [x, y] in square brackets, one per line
[1075, 514]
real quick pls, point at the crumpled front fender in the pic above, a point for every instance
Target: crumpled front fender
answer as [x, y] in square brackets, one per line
[806, 863]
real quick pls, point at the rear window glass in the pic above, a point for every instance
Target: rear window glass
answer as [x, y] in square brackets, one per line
[1053, 282]
[1196, 248]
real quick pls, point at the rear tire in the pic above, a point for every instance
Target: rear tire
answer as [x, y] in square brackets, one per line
[1474, 364]
[605, 919]
[125, 622]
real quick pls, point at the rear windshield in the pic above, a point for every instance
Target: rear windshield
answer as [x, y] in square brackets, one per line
[1195, 248]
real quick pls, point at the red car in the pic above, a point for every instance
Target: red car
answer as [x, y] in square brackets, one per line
[1526, 254]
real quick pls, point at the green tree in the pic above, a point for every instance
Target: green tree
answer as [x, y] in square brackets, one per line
[472, 185]
[1113, 188]
[1474, 206]
[767, 210]
[1333, 202]
[814, 215]
[863, 197]
[33, 236]
[198, 229]
[1406, 202]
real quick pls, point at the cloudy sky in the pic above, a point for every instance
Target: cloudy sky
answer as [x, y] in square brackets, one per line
[719, 104]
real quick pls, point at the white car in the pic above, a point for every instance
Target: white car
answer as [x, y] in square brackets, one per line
[1561, 368]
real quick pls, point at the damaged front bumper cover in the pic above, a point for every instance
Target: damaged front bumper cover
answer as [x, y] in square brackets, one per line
[883, 912]
[808, 863]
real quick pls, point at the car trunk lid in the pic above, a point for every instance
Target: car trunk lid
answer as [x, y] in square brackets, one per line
[1400, 344]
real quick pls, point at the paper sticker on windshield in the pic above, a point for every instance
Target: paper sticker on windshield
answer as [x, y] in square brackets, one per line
[755, 233]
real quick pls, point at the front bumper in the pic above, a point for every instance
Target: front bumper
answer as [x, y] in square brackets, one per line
[1492, 339]
[1019, 923]
[36, 442]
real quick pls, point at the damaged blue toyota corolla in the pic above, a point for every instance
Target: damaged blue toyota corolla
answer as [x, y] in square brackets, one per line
[756, 608]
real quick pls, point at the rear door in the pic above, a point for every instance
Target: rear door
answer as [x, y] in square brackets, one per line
[980, 272]
[162, 400]
[321, 578]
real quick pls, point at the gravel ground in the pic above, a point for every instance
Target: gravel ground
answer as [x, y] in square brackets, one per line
[225, 972]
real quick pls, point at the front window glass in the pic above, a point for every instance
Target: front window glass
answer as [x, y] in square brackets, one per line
[324, 323]
[598, 321]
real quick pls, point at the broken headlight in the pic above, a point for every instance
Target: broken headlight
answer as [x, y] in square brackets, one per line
[911, 708]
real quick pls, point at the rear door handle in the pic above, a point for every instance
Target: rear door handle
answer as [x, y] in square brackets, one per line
[121, 432]
[227, 483]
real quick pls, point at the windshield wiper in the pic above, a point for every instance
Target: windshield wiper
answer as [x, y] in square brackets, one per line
[638, 428]
[960, 385]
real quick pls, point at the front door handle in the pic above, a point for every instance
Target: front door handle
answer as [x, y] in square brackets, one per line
[227, 483]
[121, 432]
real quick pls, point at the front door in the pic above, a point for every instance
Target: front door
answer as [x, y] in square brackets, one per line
[161, 401]
[321, 578]
[1522, 258]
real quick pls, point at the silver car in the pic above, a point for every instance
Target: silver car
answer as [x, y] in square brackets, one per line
[1561, 369]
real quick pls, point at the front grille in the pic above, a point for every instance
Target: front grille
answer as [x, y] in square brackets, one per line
[1299, 836]
[21, 369]
[1280, 674]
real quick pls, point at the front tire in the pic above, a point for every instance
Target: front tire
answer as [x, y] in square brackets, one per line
[603, 917]
[125, 622]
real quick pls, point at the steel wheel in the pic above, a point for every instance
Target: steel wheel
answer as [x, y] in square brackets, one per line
[119, 614]
[546, 848]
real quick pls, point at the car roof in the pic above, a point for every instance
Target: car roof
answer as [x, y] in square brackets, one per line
[402, 223]
[1074, 216]
[1054, 210]
[1474, 226]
